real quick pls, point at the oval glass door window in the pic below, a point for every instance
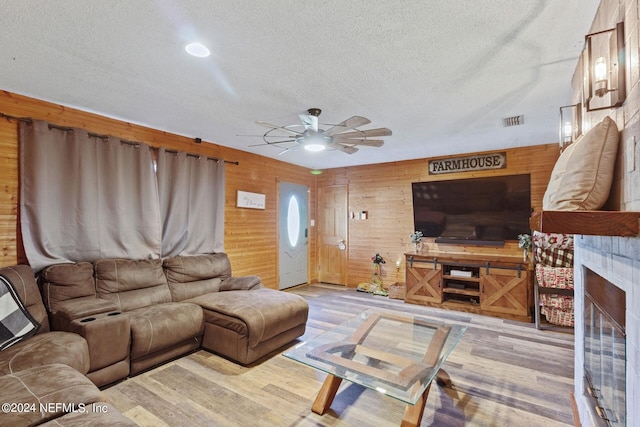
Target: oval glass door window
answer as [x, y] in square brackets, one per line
[293, 221]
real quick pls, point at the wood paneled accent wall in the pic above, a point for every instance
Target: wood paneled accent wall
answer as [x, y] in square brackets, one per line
[251, 236]
[384, 190]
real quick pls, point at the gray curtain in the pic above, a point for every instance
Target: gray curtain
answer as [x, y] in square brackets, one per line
[191, 192]
[85, 197]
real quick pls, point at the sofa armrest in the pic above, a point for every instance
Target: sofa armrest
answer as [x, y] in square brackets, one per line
[77, 308]
[108, 336]
[244, 283]
[83, 307]
[106, 330]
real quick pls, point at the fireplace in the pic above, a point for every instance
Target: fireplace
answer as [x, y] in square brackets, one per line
[607, 331]
[604, 350]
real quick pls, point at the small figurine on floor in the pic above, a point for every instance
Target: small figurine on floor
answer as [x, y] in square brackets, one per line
[374, 286]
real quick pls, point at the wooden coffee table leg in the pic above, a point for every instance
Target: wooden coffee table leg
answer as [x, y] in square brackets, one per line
[326, 394]
[442, 378]
[413, 413]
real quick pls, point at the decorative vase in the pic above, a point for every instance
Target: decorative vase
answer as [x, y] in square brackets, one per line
[417, 246]
[525, 255]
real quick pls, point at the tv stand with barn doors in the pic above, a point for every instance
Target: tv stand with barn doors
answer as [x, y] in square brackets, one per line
[493, 285]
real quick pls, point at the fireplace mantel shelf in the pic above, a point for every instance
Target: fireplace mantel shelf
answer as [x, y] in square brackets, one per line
[595, 223]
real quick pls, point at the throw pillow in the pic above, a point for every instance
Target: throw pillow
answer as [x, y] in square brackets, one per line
[582, 176]
[16, 323]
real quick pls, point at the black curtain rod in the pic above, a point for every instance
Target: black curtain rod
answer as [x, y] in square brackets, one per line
[62, 128]
[197, 156]
[20, 119]
[99, 136]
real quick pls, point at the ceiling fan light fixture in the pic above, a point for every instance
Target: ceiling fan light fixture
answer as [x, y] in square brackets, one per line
[314, 146]
[197, 49]
[314, 141]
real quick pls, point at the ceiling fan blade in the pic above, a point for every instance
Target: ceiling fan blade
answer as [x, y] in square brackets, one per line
[348, 150]
[365, 133]
[364, 142]
[344, 149]
[309, 122]
[273, 143]
[350, 123]
[269, 125]
[287, 150]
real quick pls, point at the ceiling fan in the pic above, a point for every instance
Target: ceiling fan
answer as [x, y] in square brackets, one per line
[344, 136]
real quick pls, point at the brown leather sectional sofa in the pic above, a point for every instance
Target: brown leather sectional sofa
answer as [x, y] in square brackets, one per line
[105, 321]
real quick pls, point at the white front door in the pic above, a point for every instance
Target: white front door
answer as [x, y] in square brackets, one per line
[293, 234]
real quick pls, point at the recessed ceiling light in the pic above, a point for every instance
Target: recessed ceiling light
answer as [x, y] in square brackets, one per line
[197, 49]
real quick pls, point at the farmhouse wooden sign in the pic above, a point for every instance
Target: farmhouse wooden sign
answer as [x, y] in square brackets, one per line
[469, 163]
[250, 200]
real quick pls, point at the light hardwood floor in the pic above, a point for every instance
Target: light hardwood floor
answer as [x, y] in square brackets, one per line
[504, 373]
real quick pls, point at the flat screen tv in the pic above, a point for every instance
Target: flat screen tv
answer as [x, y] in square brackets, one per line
[483, 211]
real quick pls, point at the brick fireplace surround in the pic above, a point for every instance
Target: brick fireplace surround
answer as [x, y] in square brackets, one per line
[616, 259]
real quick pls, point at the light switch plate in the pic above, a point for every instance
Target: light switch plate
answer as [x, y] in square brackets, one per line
[630, 154]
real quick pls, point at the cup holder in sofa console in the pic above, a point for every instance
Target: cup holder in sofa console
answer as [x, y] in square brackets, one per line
[88, 319]
[115, 313]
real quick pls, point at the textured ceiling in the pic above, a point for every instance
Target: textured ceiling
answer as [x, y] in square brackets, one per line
[440, 74]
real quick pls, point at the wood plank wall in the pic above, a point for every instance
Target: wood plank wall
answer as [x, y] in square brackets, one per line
[250, 235]
[251, 239]
[384, 190]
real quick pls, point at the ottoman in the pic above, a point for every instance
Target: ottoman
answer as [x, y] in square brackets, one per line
[246, 325]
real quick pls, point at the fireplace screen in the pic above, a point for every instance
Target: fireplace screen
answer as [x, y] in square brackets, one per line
[605, 349]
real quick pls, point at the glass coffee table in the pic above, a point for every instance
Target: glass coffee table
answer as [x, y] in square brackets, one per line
[395, 354]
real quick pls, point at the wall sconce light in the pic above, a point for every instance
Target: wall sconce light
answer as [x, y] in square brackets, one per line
[601, 78]
[604, 69]
[570, 127]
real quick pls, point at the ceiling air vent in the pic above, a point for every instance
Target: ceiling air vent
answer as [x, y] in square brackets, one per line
[513, 121]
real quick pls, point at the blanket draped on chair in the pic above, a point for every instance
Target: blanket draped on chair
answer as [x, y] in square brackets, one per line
[16, 323]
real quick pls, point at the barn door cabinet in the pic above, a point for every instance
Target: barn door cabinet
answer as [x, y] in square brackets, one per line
[495, 286]
[424, 282]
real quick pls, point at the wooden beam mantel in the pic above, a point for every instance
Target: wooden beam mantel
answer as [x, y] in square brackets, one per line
[595, 223]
